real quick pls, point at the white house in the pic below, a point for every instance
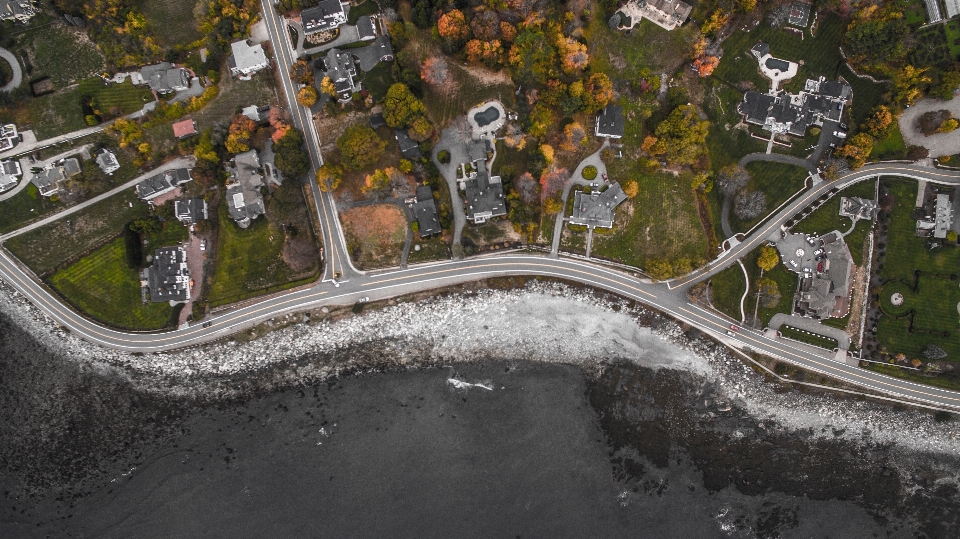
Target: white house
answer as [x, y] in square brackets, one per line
[246, 58]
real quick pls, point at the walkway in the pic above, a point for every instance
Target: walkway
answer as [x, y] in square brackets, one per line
[17, 77]
[808, 164]
[577, 179]
[180, 162]
[811, 325]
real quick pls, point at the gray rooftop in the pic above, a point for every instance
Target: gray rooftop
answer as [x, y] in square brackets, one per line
[365, 28]
[244, 201]
[327, 15]
[168, 277]
[597, 209]
[484, 195]
[164, 77]
[107, 162]
[408, 147]
[164, 182]
[610, 122]
[48, 180]
[425, 210]
[191, 210]
[246, 56]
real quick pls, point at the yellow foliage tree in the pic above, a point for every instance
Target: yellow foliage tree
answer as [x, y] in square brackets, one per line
[547, 151]
[768, 258]
[307, 96]
[631, 188]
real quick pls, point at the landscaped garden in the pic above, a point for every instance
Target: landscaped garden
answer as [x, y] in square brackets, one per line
[728, 285]
[807, 337]
[925, 277]
[827, 218]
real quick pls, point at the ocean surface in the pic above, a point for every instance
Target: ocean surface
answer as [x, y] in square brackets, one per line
[492, 448]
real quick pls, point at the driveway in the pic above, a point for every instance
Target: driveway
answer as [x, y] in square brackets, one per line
[348, 35]
[450, 141]
[26, 165]
[17, 77]
[939, 144]
[368, 57]
[577, 179]
[195, 90]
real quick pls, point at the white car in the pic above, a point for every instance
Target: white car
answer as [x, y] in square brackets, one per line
[363, 299]
[203, 245]
[840, 134]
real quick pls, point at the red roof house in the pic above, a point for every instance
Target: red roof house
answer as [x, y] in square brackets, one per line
[185, 128]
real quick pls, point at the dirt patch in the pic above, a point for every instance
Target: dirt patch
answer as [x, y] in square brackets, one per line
[300, 253]
[329, 128]
[488, 77]
[375, 235]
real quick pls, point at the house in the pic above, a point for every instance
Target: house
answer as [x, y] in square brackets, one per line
[48, 180]
[483, 195]
[8, 137]
[610, 122]
[244, 201]
[168, 277]
[328, 15]
[825, 268]
[246, 58]
[953, 8]
[17, 10]
[596, 209]
[162, 183]
[820, 100]
[185, 128]
[341, 68]
[425, 210]
[936, 215]
[9, 173]
[255, 113]
[384, 48]
[365, 28]
[71, 167]
[107, 162]
[408, 147]
[933, 11]
[858, 208]
[667, 14]
[165, 78]
[479, 150]
[191, 210]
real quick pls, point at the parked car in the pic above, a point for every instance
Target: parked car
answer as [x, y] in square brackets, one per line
[363, 299]
[605, 177]
[843, 126]
[811, 240]
[730, 333]
[793, 263]
[820, 267]
[203, 245]
[818, 252]
[840, 134]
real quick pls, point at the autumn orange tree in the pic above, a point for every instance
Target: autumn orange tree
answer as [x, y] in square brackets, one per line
[452, 26]
[878, 122]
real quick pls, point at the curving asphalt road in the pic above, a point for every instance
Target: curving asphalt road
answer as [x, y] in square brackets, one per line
[670, 297]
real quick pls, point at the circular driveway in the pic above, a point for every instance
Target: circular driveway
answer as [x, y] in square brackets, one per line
[15, 66]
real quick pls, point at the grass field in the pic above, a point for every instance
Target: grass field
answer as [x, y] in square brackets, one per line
[47, 248]
[727, 289]
[777, 180]
[60, 52]
[435, 248]
[118, 98]
[173, 21]
[24, 207]
[103, 287]
[932, 302]
[48, 115]
[378, 80]
[661, 222]
[827, 218]
[249, 261]
[808, 338]
[890, 147]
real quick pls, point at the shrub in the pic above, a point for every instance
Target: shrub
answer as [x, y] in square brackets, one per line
[589, 172]
[443, 156]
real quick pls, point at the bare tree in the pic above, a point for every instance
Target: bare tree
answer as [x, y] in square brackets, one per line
[731, 179]
[435, 71]
[750, 204]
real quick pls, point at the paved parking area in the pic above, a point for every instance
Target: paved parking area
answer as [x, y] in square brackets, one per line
[939, 144]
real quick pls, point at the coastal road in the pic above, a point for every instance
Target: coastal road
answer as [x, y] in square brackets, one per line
[338, 265]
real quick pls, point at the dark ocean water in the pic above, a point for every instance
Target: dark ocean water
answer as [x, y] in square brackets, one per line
[548, 452]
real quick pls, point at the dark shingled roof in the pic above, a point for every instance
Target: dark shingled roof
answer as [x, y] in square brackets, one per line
[610, 122]
[191, 210]
[425, 210]
[761, 49]
[377, 121]
[408, 147]
[169, 277]
[778, 64]
[484, 195]
[326, 16]
[365, 28]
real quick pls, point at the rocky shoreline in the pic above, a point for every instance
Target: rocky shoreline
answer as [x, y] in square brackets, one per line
[75, 413]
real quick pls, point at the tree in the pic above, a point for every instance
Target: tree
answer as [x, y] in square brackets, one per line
[329, 176]
[857, 149]
[435, 72]
[360, 147]
[746, 6]
[401, 107]
[660, 269]
[574, 137]
[681, 137]
[452, 26]
[948, 125]
[946, 85]
[731, 179]
[876, 41]
[547, 152]
[307, 96]
[291, 159]
[768, 258]
[575, 57]
[597, 92]
[769, 292]
[378, 181]
[631, 188]
[300, 72]
[405, 166]
[236, 144]
[485, 25]
[750, 204]
[952, 236]
[508, 31]
[715, 22]
[878, 122]
[327, 87]
[421, 129]
[705, 65]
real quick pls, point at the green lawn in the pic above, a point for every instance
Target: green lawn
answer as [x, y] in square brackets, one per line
[890, 147]
[103, 287]
[60, 52]
[930, 298]
[827, 218]
[48, 115]
[777, 180]
[431, 249]
[378, 80]
[366, 8]
[443, 106]
[727, 289]
[174, 21]
[808, 338]
[249, 263]
[118, 98]
[24, 207]
[47, 248]
[660, 223]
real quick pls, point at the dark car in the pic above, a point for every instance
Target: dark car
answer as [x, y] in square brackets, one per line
[207, 324]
